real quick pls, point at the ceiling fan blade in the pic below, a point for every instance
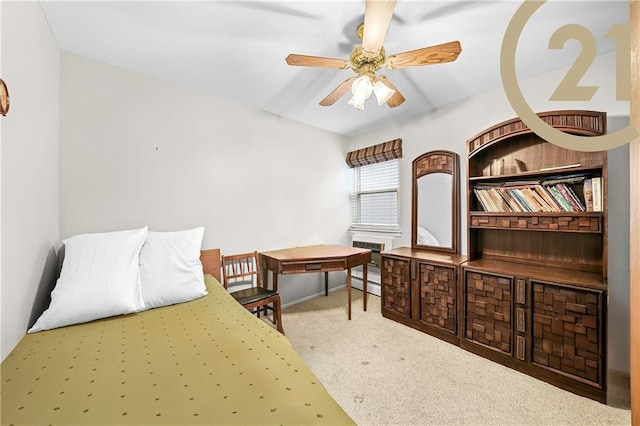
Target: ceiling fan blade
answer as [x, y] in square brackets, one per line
[337, 92]
[441, 53]
[377, 17]
[397, 98]
[316, 61]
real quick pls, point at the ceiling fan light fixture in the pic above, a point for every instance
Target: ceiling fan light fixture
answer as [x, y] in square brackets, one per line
[382, 92]
[357, 102]
[361, 88]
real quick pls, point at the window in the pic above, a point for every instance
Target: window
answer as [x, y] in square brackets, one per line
[374, 186]
[374, 196]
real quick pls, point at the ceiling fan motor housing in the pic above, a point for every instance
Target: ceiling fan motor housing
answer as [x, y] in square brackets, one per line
[361, 60]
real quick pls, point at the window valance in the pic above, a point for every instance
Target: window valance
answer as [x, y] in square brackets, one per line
[375, 154]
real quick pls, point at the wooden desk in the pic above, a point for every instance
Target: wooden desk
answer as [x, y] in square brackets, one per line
[320, 258]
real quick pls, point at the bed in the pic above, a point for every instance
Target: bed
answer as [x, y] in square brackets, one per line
[206, 361]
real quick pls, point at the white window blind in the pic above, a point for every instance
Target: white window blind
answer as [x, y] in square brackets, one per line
[374, 195]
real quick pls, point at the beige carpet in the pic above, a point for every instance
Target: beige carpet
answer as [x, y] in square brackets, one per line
[384, 373]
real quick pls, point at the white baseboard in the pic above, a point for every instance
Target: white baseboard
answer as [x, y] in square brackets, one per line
[372, 287]
[312, 296]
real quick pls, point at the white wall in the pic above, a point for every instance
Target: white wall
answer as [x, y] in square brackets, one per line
[135, 151]
[619, 240]
[449, 128]
[30, 67]
[2, 356]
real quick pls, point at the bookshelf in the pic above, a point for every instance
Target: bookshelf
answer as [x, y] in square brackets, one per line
[535, 283]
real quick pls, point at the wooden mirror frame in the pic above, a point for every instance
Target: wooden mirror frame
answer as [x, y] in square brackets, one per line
[439, 161]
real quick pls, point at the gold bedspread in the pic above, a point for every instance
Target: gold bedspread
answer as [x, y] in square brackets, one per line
[208, 361]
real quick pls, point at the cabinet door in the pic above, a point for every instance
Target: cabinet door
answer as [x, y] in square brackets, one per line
[488, 310]
[567, 330]
[396, 286]
[438, 289]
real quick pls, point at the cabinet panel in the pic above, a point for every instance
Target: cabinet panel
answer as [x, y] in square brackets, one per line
[567, 330]
[488, 310]
[396, 285]
[438, 296]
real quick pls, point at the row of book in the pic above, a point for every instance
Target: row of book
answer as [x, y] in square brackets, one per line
[572, 193]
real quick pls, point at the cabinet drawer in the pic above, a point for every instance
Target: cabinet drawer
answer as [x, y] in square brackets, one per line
[313, 266]
[521, 291]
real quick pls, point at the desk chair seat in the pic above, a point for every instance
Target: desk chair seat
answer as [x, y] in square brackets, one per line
[244, 268]
[253, 295]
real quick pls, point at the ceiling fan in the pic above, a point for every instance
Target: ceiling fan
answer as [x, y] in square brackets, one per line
[369, 57]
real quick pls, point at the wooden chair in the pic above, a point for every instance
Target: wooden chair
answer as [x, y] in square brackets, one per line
[244, 269]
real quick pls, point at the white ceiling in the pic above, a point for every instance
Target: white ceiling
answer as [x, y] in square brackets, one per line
[236, 49]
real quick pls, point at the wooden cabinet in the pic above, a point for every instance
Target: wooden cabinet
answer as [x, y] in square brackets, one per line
[535, 283]
[421, 289]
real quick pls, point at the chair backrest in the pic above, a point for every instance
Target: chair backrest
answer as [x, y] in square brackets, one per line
[241, 269]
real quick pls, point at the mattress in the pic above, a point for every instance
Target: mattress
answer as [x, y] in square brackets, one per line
[208, 361]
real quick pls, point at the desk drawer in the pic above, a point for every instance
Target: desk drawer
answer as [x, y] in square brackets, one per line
[313, 266]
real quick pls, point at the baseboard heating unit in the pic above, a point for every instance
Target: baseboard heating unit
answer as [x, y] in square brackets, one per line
[376, 245]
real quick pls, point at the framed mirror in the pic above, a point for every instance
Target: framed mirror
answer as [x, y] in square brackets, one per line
[434, 215]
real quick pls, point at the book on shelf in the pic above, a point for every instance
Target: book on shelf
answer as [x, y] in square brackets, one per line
[574, 195]
[560, 193]
[566, 206]
[568, 166]
[570, 179]
[519, 200]
[587, 193]
[492, 200]
[596, 188]
[530, 202]
[568, 194]
[539, 200]
[521, 182]
[501, 202]
[511, 201]
[481, 201]
[549, 199]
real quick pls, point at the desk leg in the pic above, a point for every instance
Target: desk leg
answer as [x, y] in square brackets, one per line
[326, 283]
[364, 286]
[265, 277]
[274, 274]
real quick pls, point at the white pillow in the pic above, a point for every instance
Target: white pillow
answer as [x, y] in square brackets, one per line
[170, 267]
[426, 238]
[99, 278]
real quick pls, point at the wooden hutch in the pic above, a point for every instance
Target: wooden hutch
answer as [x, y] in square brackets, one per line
[532, 291]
